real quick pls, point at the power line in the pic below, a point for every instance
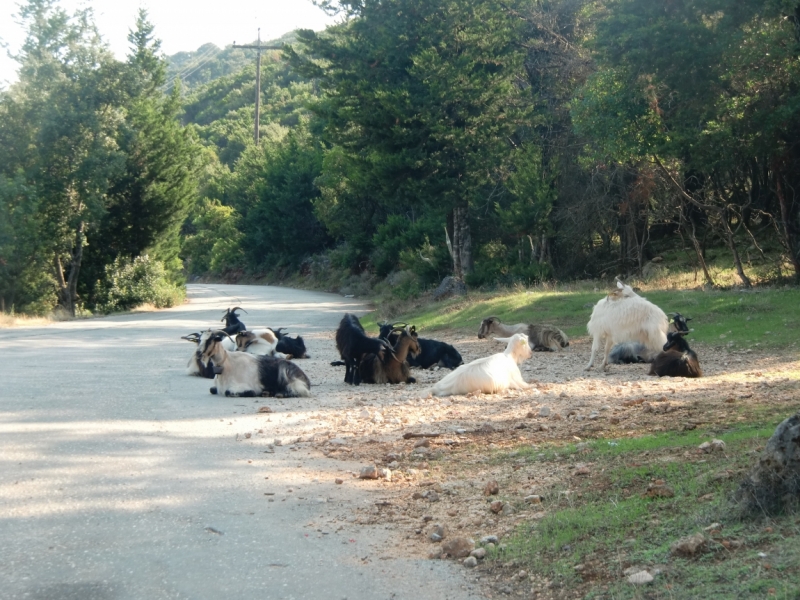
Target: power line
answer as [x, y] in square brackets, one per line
[204, 58]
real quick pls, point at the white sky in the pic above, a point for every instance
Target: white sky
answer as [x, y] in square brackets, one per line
[181, 25]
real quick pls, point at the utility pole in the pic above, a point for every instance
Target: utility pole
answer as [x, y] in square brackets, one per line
[259, 48]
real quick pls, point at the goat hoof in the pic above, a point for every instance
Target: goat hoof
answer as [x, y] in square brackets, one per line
[213, 390]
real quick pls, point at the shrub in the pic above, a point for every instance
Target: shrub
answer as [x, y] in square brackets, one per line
[130, 283]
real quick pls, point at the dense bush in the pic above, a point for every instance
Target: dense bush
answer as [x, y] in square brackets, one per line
[131, 283]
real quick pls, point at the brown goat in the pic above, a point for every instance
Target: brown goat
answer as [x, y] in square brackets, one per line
[391, 368]
[677, 359]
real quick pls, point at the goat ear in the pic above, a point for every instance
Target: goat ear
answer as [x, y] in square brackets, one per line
[687, 318]
[620, 285]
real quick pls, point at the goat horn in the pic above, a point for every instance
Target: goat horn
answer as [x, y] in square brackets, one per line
[235, 308]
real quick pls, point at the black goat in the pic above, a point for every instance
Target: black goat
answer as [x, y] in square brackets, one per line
[677, 359]
[392, 368]
[432, 352]
[636, 352]
[353, 343]
[232, 323]
[294, 346]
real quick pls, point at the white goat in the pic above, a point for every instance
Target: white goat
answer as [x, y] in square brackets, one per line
[242, 374]
[259, 342]
[491, 374]
[624, 316]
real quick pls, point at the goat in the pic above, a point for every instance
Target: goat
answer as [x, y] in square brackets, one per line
[491, 374]
[392, 368]
[432, 352]
[677, 359]
[353, 343]
[541, 337]
[195, 366]
[232, 323]
[624, 316]
[242, 374]
[636, 352]
[260, 342]
[295, 347]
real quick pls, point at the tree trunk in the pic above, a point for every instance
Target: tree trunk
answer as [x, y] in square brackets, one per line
[462, 243]
[68, 288]
[789, 230]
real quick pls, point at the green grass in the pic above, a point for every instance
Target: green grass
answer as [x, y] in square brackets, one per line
[762, 318]
[606, 525]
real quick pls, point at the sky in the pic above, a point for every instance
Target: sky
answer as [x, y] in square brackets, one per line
[181, 25]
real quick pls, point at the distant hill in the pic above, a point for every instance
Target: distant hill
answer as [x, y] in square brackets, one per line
[210, 62]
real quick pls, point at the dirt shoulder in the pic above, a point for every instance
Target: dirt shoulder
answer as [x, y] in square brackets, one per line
[440, 480]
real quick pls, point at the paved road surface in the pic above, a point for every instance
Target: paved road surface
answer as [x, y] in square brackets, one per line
[121, 477]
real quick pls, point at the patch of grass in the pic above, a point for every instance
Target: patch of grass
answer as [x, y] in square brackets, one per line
[736, 319]
[606, 522]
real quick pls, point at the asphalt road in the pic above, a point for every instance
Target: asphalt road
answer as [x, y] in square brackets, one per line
[123, 478]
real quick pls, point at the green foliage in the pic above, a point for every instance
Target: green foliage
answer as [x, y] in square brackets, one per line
[131, 283]
[216, 244]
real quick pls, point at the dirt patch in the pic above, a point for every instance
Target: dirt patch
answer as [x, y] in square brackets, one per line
[442, 480]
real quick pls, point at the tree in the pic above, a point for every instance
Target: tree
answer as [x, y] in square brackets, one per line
[422, 102]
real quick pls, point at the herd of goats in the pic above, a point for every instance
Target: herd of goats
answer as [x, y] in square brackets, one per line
[257, 362]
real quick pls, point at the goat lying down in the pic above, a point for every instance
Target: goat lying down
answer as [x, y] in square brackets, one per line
[432, 353]
[242, 374]
[624, 316]
[295, 347]
[259, 342]
[677, 359]
[195, 365]
[391, 368]
[491, 374]
[636, 352]
[542, 338]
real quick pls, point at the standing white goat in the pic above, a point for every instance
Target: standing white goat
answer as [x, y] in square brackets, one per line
[624, 316]
[491, 374]
[259, 342]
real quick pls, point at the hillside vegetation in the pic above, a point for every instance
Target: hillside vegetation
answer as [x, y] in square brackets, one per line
[501, 143]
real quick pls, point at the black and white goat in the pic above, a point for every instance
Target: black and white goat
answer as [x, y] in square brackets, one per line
[242, 374]
[540, 337]
[353, 344]
[195, 365]
[392, 368]
[636, 352]
[232, 323]
[677, 359]
[431, 352]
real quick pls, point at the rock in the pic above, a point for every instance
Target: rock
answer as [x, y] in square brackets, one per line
[337, 442]
[508, 509]
[496, 506]
[458, 547]
[658, 490]
[440, 531]
[688, 546]
[478, 553]
[712, 446]
[470, 562]
[491, 488]
[435, 537]
[533, 499]
[385, 474]
[489, 539]
[265, 409]
[370, 472]
[640, 578]
[449, 286]
[338, 481]
[486, 428]
[773, 485]
[435, 554]
[544, 411]
[431, 496]
[582, 471]
[424, 442]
